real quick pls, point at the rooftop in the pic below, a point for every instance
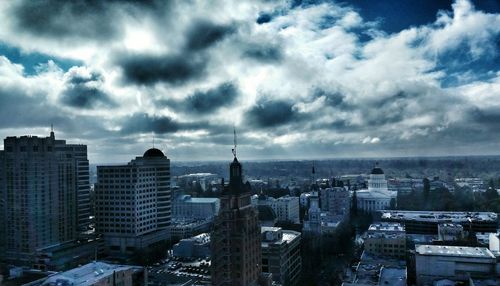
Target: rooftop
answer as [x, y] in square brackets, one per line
[455, 217]
[459, 251]
[386, 227]
[87, 274]
[393, 276]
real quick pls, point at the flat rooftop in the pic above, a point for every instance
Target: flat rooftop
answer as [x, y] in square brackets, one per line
[386, 227]
[456, 217]
[87, 274]
[458, 251]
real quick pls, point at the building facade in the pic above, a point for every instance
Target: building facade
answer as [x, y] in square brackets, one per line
[133, 205]
[336, 200]
[281, 255]
[236, 249]
[45, 192]
[387, 239]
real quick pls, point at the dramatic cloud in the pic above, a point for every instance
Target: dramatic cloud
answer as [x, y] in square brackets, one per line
[299, 78]
[204, 34]
[212, 99]
[83, 89]
[272, 113]
[173, 69]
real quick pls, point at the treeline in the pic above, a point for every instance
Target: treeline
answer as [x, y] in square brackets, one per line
[442, 199]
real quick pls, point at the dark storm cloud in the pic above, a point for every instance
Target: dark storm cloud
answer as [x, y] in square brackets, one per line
[264, 18]
[203, 34]
[266, 53]
[150, 69]
[84, 92]
[73, 19]
[212, 99]
[143, 123]
[272, 114]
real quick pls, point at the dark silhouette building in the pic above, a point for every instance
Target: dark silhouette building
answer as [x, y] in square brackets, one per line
[236, 238]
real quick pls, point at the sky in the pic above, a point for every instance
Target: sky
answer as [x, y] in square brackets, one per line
[296, 79]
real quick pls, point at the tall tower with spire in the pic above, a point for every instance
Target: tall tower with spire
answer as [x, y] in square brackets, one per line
[236, 238]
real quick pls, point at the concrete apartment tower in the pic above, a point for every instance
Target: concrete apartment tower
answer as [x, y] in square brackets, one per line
[44, 195]
[236, 238]
[133, 204]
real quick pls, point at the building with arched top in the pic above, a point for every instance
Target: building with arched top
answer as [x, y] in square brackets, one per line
[133, 204]
[377, 196]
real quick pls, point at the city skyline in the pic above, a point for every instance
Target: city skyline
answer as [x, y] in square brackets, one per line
[297, 79]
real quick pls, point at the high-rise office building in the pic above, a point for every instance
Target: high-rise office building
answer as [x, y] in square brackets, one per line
[133, 204]
[236, 238]
[44, 190]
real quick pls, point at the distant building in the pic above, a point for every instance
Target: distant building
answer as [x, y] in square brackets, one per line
[188, 207]
[281, 254]
[450, 232]
[44, 195]
[377, 196]
[236, 241]
[387, 239]
[286, 208]
[319, 222]
[435, 262]
[336, 200]
[185, 228]
[194, 247]
[97, 274]
[67, 255]
[426, 222]
[133, 208]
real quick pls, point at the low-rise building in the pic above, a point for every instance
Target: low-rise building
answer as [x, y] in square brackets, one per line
[281, 254]
[194, 247]
[187, 207]
[97, 274]
[435, 262]
[387, 239]
[426, 222]
[184, 228]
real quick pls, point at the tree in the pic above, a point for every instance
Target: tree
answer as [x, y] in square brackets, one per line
[354, 204]
[427, 188]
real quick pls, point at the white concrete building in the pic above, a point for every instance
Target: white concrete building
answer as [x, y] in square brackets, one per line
[281, 254]
[187, 207]
[435, 262]
[133, 208]
[377, 196]
[193, 247]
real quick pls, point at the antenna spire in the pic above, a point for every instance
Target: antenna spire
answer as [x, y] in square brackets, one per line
[234, 136]
[153, 140]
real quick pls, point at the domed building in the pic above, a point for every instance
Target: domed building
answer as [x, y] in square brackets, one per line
[139, 196]
[377, 196]
[377, 179]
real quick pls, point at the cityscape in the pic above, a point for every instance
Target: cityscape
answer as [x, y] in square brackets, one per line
[249, 143]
